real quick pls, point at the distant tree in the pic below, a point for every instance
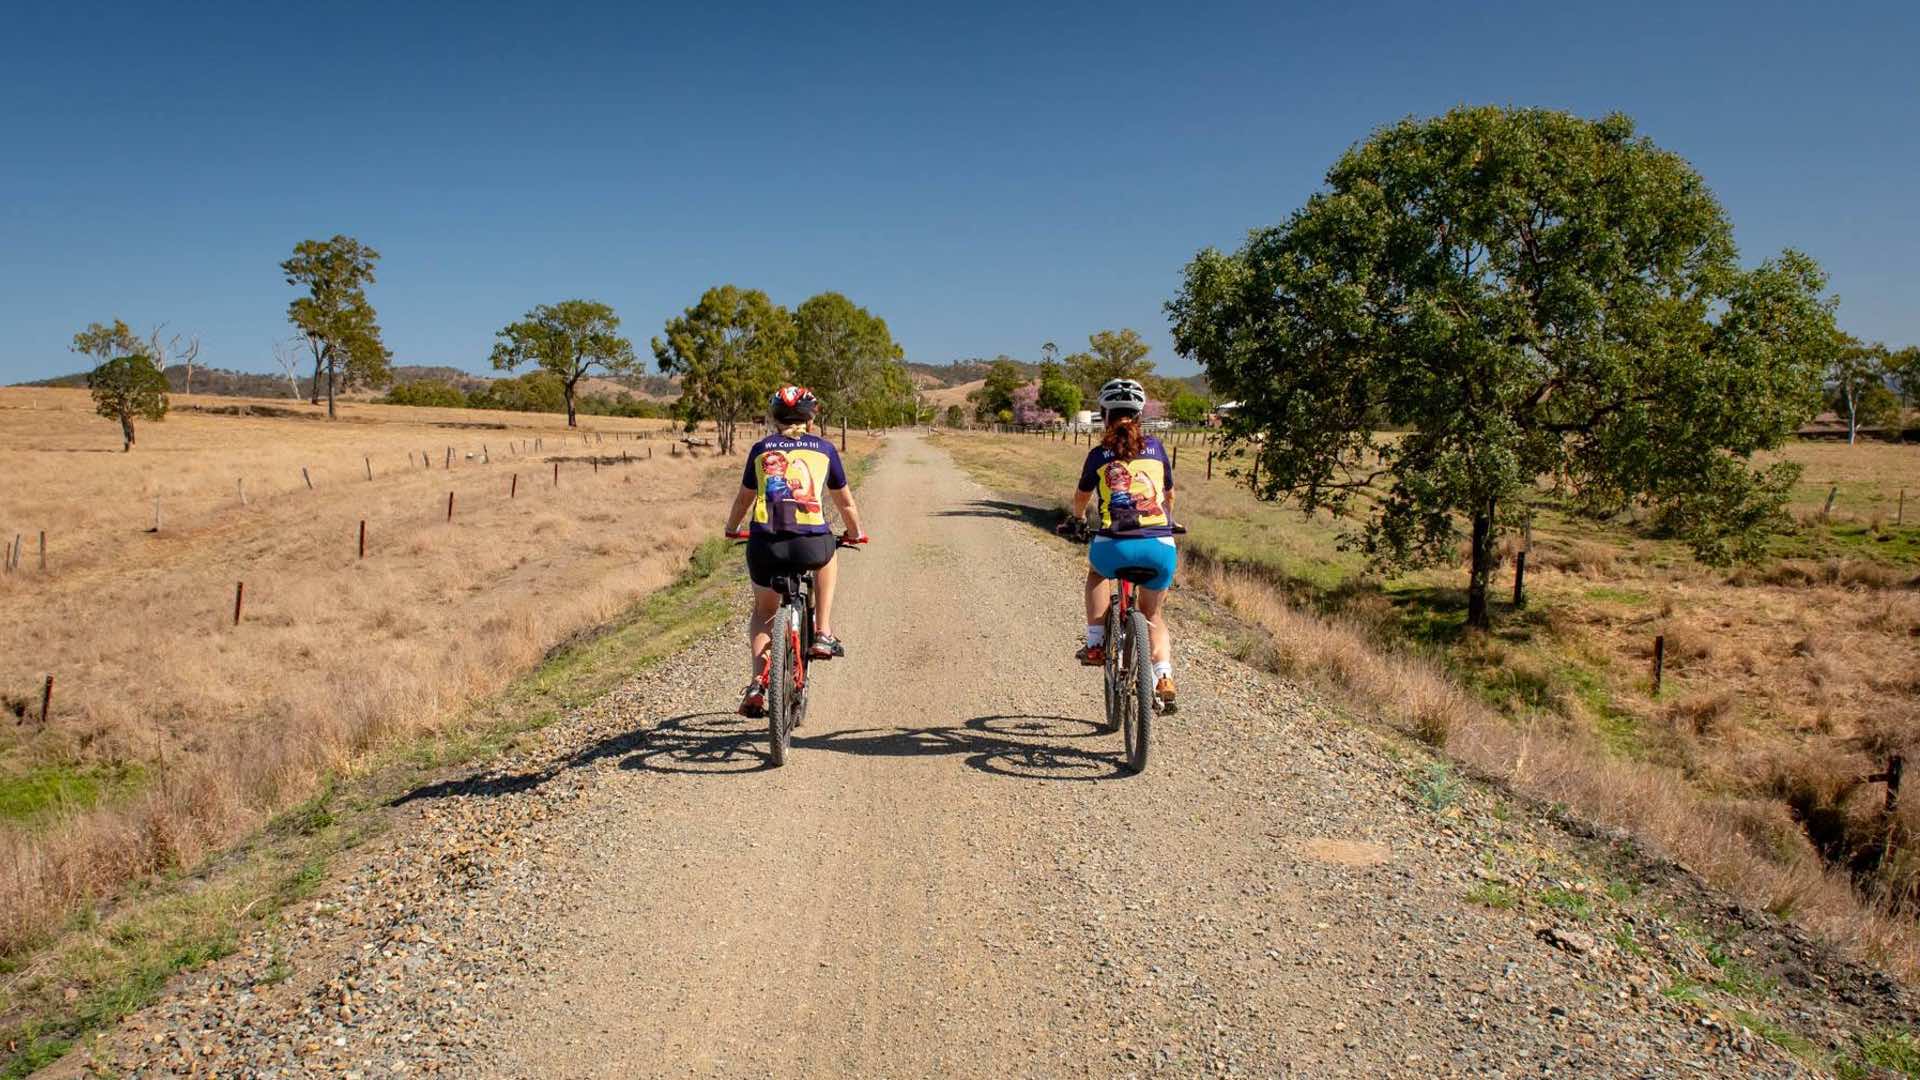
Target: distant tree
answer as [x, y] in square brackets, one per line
[567, 340]
[956, 416]
[995, 395]
[335, 316]
[1049, 354]
[1188, 407]
[1028, 409]
[1059, 395]
[1527, 295]
[286, 354]
[536, 391]
[166, 350]
[1857, 386]
[848, 357]
[1111, 354]
[128, 388]
[1904, 364]
[731, 350]
[427, 393]
[103, 342]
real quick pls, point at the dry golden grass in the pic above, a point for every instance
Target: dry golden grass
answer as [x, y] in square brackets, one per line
[334, 656]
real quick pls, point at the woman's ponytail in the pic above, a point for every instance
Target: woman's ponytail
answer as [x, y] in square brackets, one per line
[1123, 438]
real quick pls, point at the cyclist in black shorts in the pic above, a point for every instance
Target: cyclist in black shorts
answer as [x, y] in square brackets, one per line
[780, 492]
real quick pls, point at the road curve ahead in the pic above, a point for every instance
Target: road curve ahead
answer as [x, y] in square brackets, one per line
[952, 877]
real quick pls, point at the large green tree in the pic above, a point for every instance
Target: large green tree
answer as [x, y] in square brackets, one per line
[568, 340]
[848, 357]
[1528, 297]
[126, 389]
[335, 318]
[1111, 354]
[731, 350]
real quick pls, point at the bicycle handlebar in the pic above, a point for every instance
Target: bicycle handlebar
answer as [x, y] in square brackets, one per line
[840, 541]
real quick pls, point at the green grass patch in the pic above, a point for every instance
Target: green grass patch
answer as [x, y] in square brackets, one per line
[1778, 1036]
[1493, 894]
[1609, 594]
[47, 792]
[1577, 904]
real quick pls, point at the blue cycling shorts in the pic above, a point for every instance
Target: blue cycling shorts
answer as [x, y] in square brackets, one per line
[1109, 555]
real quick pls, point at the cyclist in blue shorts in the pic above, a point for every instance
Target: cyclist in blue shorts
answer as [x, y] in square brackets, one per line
[1132, 476]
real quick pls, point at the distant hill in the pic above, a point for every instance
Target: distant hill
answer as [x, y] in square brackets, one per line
[222, 383]
[957, 372]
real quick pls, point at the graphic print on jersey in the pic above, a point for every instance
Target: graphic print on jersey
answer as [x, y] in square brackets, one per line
[787, 475]
[1131, 494]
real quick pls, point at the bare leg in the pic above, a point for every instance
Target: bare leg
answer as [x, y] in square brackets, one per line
[1152, 604]
[766, 602]
[823, 580]
[1097, 598]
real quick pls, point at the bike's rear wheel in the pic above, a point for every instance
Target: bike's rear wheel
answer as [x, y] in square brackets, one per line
[780, 691]
[1112, 676]
[1137, 719]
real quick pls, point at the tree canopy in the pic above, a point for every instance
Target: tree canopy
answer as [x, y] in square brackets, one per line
[1528, 297]
[567, 340]
[731, 351]
[848, 357]
[994, 397]
[103, 342]
[1111, 354]
[126, 389]
[335, 318]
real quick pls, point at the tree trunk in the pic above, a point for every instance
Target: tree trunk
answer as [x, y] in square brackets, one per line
[1853, 424]
[571, 421]
[843, 433]
[1482, 569]
[316, 379]
[330, 412]
[126, 431]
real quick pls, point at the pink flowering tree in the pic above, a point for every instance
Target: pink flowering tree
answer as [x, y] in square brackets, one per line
[1027, 409]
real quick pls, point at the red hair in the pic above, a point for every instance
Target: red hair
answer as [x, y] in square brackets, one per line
[1123, 438]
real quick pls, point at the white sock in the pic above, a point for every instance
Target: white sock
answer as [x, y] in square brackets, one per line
[1163, 669]
[1096, 635]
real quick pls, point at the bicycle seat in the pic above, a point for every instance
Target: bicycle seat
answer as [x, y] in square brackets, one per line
[1139, 575]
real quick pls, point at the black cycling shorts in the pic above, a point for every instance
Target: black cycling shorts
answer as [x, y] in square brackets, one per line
[769, 557]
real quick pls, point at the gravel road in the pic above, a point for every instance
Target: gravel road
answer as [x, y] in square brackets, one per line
[951, 878]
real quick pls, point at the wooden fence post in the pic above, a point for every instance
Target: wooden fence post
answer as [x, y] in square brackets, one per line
[1520, 580]
[239, 594]
[46, 700]
[307, 478]
[556, 474]
[1209, 464]
[1659, 661]
[369, 464]
[449, 506]
[449, 457]
[363, 538]
[43, 551]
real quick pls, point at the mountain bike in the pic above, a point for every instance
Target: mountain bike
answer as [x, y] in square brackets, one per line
[792, 631]
[1128, 668]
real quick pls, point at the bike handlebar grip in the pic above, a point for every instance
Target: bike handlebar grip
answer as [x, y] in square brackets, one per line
[739, 536]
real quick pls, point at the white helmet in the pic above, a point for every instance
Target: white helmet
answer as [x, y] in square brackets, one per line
[1123, 395]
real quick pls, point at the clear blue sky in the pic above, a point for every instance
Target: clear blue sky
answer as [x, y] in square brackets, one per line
[985, 179]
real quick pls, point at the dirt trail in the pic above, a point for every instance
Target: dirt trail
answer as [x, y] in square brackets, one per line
[951, 878]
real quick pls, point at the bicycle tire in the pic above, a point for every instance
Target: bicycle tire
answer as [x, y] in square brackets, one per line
[1110, 673]
[780, 687]
[1139, 715]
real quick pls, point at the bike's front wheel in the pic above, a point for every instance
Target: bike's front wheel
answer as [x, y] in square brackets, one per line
[1137, 717]
[781, 698]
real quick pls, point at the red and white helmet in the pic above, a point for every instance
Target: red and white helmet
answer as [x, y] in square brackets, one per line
[793, 405]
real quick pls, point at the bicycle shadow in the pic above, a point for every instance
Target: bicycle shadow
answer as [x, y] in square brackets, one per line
[1023, 746]
[1019, 746]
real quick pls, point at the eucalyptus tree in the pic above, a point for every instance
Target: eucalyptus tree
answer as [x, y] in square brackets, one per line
[567, 340]
[731, 350]
[335, 318]
[1525, 298]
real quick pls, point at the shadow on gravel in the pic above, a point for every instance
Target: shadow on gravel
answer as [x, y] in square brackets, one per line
[723, 742]
[1038, 516]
